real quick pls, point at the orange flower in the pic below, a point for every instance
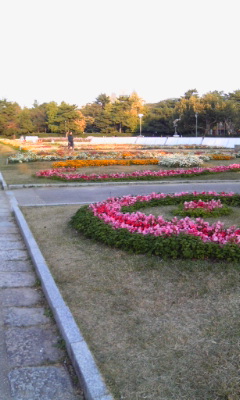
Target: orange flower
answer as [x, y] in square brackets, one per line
[221, 156]
[102, 163]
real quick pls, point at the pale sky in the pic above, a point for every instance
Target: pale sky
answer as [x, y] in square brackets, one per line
[74, 50]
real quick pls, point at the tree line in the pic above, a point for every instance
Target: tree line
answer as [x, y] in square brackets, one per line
[214, 113]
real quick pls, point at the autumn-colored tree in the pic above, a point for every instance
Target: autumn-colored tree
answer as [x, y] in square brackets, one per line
[79, 122]
[9, 117]
[214, 112]
[125, 111]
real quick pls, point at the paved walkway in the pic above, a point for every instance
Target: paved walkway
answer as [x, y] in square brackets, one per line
[80, 194]
[33, 366]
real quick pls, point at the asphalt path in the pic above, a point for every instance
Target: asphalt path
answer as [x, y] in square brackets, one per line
[42, 196]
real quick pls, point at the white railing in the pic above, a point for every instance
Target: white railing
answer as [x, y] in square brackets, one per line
[168, 141]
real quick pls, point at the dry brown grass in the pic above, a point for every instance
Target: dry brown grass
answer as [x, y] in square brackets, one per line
[159, 330]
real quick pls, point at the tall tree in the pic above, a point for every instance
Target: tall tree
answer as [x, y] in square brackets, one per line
[159, 117]
[102, 100]
[233, 124]
[125, 111]
[186, 109]
[214, 109]
[79, 122]
[9, 112]
[120, 113]
[61, 118]
[190, 93]
[103, 120]
[39, 117]
[25, 124]
[52, 123]
[91, 112]
[66, 116]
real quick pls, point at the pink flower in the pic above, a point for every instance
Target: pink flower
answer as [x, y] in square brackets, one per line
[110, 212]
[206, 205]
[61, 173]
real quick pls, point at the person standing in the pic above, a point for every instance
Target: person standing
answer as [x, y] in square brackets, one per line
[70, 141]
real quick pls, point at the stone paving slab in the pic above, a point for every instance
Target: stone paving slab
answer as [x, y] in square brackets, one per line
[20, 297]
[13, 255]
[5, 216]
[6, 245]
[33, 346]
[24, 316]
[5, 230]
[7, 224]
[17, 266]
[10, 236]
[17, 279]
[43, 383]
[5, 393]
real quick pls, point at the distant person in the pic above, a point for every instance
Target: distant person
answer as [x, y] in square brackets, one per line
[70, 141]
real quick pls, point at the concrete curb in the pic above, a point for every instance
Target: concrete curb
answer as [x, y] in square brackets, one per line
[150, 182]
[3, 183]
[92, 382]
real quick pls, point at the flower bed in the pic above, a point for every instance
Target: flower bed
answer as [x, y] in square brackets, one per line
[118, 222]
[134, 176]
[46, 153]
[222, 156]
[29, 156]
[180, 160]
[103, 163]
[206, 205]
[55, 149]
[191, 160]
[200, 208]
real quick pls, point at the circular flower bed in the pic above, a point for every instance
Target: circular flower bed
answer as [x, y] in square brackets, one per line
[118, 222]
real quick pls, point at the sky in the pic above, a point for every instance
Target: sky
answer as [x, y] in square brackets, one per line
[75, 50]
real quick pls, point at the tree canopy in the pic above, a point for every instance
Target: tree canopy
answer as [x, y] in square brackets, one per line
[215, 113]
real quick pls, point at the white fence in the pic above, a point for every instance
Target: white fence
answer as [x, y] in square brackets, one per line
[33, 139]
[168, 141]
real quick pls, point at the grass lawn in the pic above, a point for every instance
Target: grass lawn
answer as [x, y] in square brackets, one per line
[24, 173]
[158, 329]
